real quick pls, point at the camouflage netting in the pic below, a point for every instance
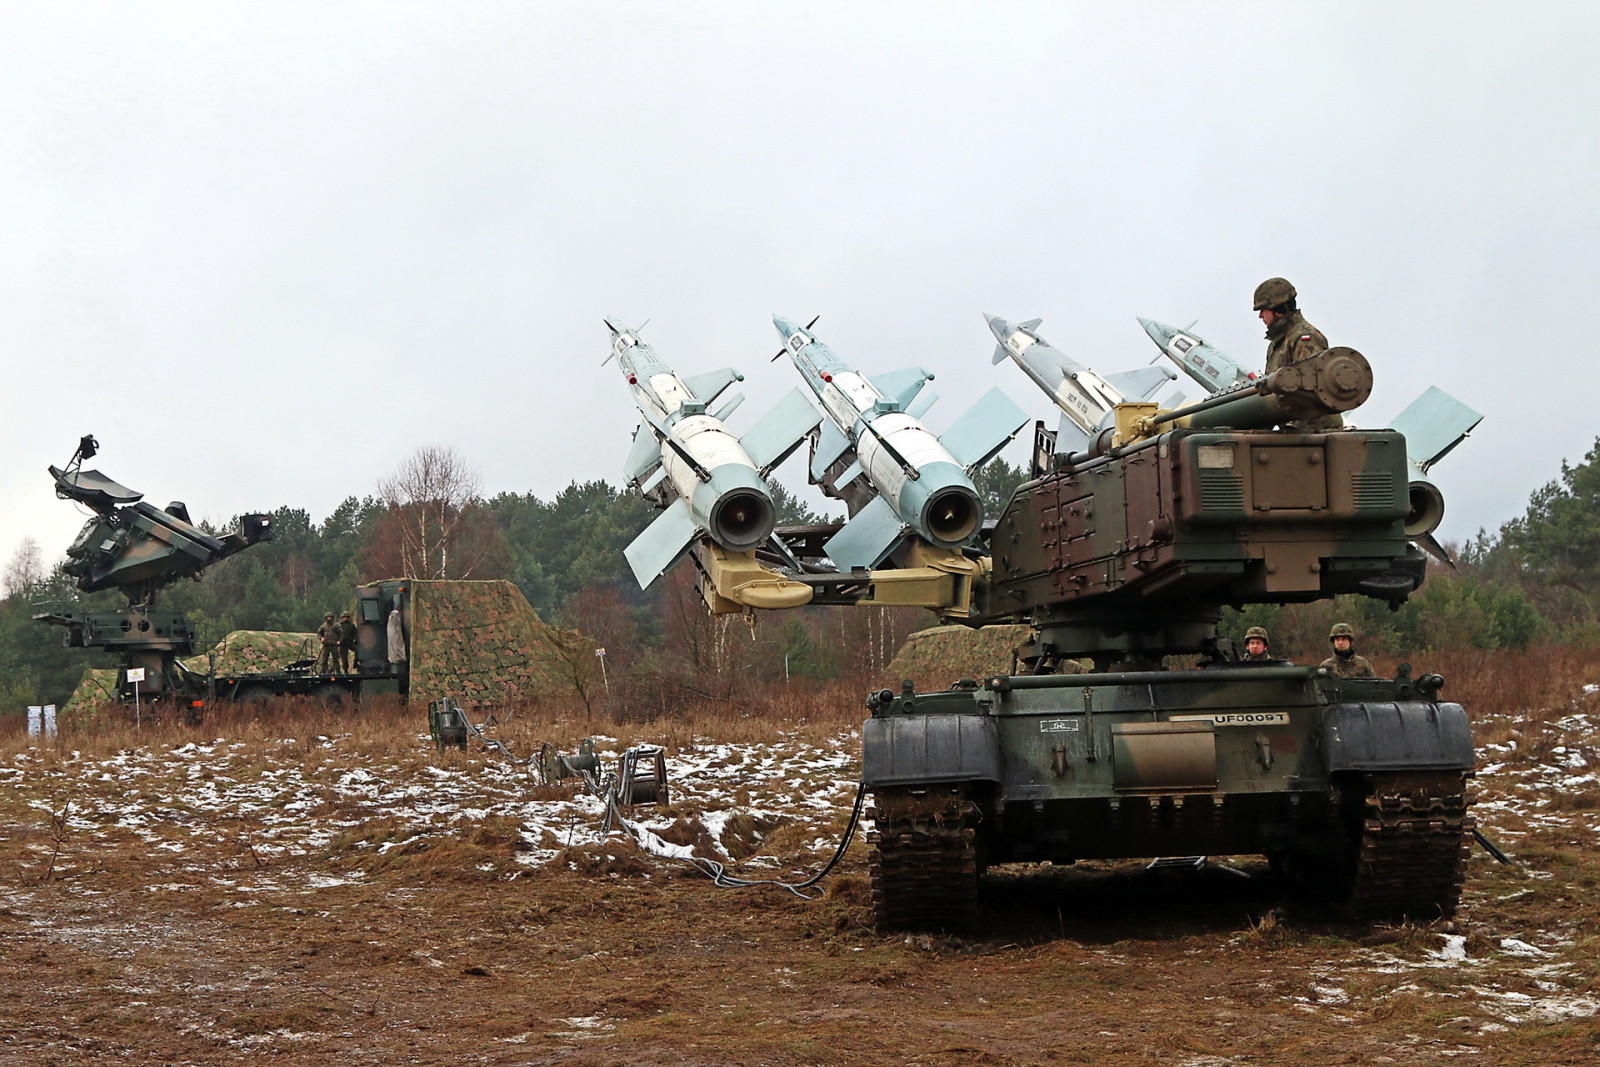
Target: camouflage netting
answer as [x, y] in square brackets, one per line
[97, 689]
[241, 652]
[254, 652]
[482, 643]
[935, 658]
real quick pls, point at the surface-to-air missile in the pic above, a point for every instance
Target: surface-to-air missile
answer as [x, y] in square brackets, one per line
[1123, 549]
[899, 479]
[1432, 424]
[1086, 399]
[138, 549]
[1217, 371]
[685, 460]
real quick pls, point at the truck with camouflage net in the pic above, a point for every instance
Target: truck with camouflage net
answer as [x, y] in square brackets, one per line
[477, 642]
[1123, 554]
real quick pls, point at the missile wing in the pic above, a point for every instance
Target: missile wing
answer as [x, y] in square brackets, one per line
[708, 481]
[875, 454]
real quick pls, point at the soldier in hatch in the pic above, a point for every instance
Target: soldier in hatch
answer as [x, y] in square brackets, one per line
[1255, 647]
[1290, 338]
[1344, 663]
[328, 634]
[347, 642]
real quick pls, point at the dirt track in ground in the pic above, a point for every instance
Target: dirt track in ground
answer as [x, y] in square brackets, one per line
[132, 944]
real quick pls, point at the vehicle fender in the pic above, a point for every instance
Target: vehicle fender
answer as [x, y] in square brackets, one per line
[1397, 735]
[915, 749]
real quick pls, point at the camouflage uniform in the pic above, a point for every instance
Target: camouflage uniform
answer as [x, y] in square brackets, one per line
[347, 642]
[1265, 657]
[1351, 666]
[1292, 339]
[328, 633]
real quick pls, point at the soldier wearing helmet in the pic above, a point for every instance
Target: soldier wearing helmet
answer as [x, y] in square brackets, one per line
[1344, 663]
[328, 634]
[1291, 338]
[1256, 648]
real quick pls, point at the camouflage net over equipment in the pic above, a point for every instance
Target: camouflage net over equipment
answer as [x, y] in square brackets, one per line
[254, 652]
[96, 691]
[938, 657]
[482, 643]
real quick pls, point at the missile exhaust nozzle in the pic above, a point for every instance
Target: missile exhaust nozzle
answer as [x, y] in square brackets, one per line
[1425, 508]
[742, 520]
[952, 516]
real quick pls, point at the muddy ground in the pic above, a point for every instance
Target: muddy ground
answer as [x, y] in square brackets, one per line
[332, 901]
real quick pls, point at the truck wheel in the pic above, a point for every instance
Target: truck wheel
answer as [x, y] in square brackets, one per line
[252, 694]
[331, 694]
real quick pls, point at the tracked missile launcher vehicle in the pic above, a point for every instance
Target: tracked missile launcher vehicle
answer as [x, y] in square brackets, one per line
[1138, 526]
[1125, 556]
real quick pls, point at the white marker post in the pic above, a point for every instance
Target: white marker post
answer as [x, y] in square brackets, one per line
[136, 675]
[600, 654]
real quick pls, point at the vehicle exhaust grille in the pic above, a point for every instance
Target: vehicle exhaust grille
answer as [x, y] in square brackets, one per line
[1373, 490]
[1221, 491]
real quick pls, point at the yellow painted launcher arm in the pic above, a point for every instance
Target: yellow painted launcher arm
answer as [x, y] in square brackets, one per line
[941, 580]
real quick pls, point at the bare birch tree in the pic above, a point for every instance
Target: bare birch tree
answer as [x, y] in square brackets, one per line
[25, 572]
[434, 502]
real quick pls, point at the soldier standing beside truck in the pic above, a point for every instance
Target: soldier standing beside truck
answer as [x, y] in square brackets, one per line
[1290, 339]
[347, 642]
[1344, 662]
[328, 634]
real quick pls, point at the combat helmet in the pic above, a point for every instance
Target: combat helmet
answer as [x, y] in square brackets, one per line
[1342, 629]
[1273, 292]
[1257, 631]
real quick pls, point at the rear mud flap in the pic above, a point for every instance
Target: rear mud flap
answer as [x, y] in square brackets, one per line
[908, 750]
[1406, 735]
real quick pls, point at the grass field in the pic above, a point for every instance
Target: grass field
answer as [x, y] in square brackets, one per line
[332, 890]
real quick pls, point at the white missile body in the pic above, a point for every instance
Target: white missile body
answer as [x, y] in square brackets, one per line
[708, 481]
[917, 483]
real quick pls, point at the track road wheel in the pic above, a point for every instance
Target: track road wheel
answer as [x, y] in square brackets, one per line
[923, 860]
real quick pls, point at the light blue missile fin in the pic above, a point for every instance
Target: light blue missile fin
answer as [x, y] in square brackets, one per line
[831, 444]
[1030, 325]
[662, 543]
[919, 407]
[645, 454]
[866, 540]
[1140, 384]
[1070, 437]
[901, 386]
[986, 428]
[732, 405]
[1433, 424]
[709, 386]
[780, 431]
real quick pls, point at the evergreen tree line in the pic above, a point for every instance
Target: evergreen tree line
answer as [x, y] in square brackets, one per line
[429, 521]
[1533, 580]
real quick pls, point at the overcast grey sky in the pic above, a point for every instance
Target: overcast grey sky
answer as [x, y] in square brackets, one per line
[263, 251]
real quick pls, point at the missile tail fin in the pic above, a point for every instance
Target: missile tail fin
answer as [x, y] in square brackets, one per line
[901, 386]
[831, 444]
[986, 428]
[779, 432]
[868, 539]
[644, 455]
[709, 385]
[662, 543]
[1433, 424]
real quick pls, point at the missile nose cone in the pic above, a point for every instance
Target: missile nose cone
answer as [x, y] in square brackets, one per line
[785, 328]
[1160, 333]
[997, 326]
